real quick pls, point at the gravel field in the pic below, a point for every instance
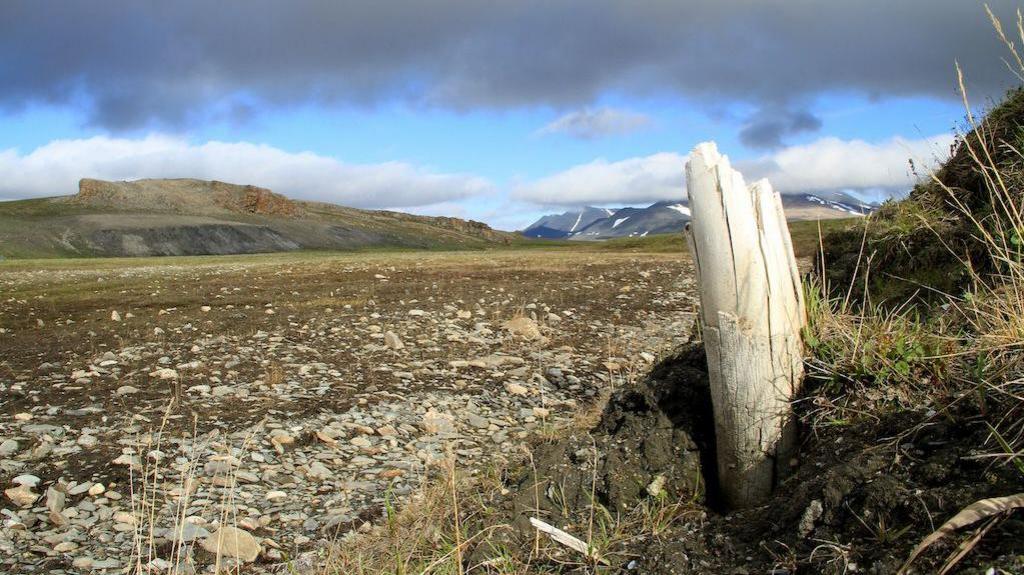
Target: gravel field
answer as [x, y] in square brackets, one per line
[164, 415]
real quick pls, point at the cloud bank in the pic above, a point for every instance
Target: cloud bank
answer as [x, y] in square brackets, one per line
[828, 164]
[128, 64]
[54, 169]
[589, 124]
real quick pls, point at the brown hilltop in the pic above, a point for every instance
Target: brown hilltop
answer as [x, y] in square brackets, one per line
[184, 196]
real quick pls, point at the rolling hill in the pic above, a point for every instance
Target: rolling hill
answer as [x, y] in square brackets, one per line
[196, 217]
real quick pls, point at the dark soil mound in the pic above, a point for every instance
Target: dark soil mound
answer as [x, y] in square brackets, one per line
[864, 496]
[860, 498]
[659, 432]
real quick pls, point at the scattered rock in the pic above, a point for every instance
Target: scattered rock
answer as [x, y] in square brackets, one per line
[316, 413]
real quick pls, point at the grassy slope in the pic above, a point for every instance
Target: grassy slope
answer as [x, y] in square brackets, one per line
[805, 240]
[25, 228]
[34, 228]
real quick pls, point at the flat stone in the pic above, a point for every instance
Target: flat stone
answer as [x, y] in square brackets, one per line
[65, 546]
[27, 480]
[317, 470]
[80, 488]
[164, 373]
[523, 327]
[187, 532]
[392, 340]
[516, 389]
[8, 448]
[434, 422]
[233, 542]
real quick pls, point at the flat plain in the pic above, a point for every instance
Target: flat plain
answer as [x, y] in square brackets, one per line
[146, 405]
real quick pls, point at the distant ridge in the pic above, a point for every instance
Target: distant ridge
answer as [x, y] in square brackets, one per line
[155, 217]
[671, 216]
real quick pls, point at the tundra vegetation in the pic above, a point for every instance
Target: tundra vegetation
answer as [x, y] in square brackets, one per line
[911, 417]
[523, 411]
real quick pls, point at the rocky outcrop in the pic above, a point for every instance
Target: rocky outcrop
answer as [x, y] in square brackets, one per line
[184, 196]
[252, 200]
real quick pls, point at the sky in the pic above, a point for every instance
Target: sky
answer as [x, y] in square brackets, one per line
[498, 111]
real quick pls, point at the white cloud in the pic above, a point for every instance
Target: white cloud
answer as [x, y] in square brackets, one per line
[55, 168]
[592, 124]
[634, 180]
[828, 164]
[834, 164]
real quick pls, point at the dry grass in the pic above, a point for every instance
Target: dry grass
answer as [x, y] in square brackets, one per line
[452, 526]
[964, 352]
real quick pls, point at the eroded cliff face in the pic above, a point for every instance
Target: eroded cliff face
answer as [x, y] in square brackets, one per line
[252, 200]
[185, 196]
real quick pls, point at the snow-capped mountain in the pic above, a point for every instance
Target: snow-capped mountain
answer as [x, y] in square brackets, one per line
[659, 218]
[565, 224]
[670, 217]
[823, 206]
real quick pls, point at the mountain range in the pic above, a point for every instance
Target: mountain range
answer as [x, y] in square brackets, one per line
[592, 223]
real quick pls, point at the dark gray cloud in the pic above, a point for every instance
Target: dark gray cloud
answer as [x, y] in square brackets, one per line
[767, 128]
[134, 63]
